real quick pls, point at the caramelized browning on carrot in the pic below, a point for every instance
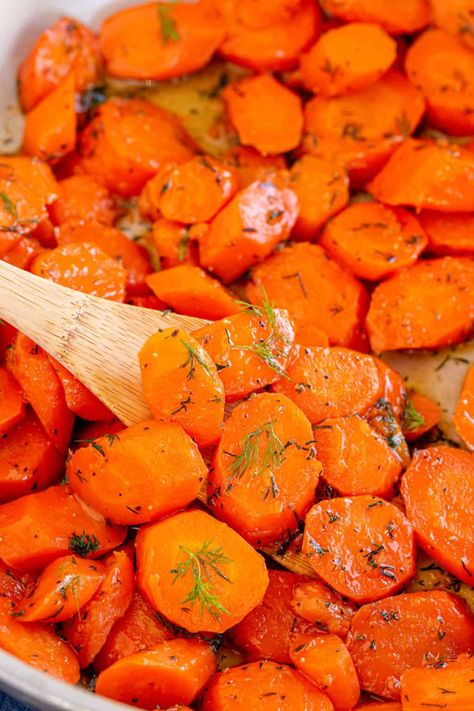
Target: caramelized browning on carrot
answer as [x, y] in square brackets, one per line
[464, 413]
[446, 685]
[82, 198]
[318, 603]
[448, 233]
[12, 406]
[396, 18]
[419, 416]
[250, 165]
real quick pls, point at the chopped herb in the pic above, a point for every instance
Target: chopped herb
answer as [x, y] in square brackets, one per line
[9, 206]
[250, 456]
[83, 545]
[169, 33]
[318, 549]
[456, 359]
[412, 419]
[111, 438]
[265, 349]
[190, 362]
[183, 246]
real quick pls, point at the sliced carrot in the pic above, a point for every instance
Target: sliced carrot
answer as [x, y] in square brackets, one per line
[26, 187]
[443, 529]
[265, 469]
[457, 17]
[315, 290]
[464, 413]
[79, 399]
[265, 114]
[150, 301]
[261, 13]
[249, 227]
[177, 551]
[381, 417]
[155, 41]
[447, 685]
[362, 546]
[82, 198]
[331, 382]
[425, 305]
[395, 18]
[250, 165]
[420, 415]
[84, 267]
[7, 339]
[442, 67]
[448, 233]
[127, 141]
[393, 389]
[181, 384]
[189, 290]
[347, 59]
[428, 176]
[372, 240]
[23, 254]
[317, 603]
[392, 635]
[38, 645]
[175, 243]
[32, 534]
[13, 583]
[12, 406]
[173, 672]
[45, 233]
[89, 629]
[100, 473]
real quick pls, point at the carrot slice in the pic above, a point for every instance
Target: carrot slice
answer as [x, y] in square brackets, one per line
[456, 16]
[189, 290]
[448, 233]
[392, 635]
[362, 546]
[84, 267]
[174, 243]
[173, 672]
[181, 384]
[45, 233]
[23, 254]
[395, 18]
[32, 534]
[331, 382]
[381, 417]
[427, 175]
[79, 399]
[265, 469]
[464, 413]
[394, 390]
[173, 554]
[425, 305]
[88, 631]
[38, 645]
[155, 41]
[82, 198]
[447, 685]
[372, 240]
[126, 143]
[317, 603]
[14, 583]
[442, 529]
[250, 165]
[249, 227]
[420, 415]
[100, 472]
[12, 406]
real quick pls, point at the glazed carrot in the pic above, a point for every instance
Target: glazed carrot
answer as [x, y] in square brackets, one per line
[356, 460]
[273, 684]
[82, 198]
[12, 406]
[427, 175]
[249, 227]
[392, 635]
[357, 131]
[265, 114]
[84, 267]
[189, 290]
[316, 291]
[7, 339]
[23, 254]
[379, 706]
[14, 583]
[181, 385]
[447, 685]
[42, 388]
[420, 415]
[442, 67]
[381, 417]
[393, 389]
[62, 589]
[372, 240]
[50, 128]
[38, 645]
[464, 413]
[425, 305]
[325, 660]
[45, 233]
[250, 165]
[274, 46]
[456, 16]
[29, 461]
[191, 192]
[317, 603]
[362, 546]
[265, 469]
[133, 257]
[87, 432]
[331, 382]
[36, 174]
[88, 630]
[322, 188]
[442, 527]
[347, 59]
[261, 13]
[155, 41]
[173, 672]
[32, 534]
[195, 571]
[79, 399]
[67, 46]
[127, 142]
[448, 233]
[100, 473]
[397, 19]
[251, 349]
[175, 243]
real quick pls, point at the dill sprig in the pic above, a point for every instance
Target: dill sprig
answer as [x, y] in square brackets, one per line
[167, 24]
[70, 584]
[412, 419]
[266, 349]
[202, 564]
[190, 362]
[250, 456]
[84, 544]
[9, 206]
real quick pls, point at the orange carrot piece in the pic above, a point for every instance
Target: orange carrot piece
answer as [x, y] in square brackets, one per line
[175, 243]
[393, 388]
[378, 706]
[7, 339]
[261, 13]
[79, 399]
[23, 254]
[381, 417]
[12, 406]
[392, 635]
[164, 554]
[250, 165]
[317, 292]
[173, 672]
[264, 471]
[372, 240]
[464, 413]
[447, 685]
[249, 227]
[440, 520]
[86, 433]
[100, 473]
[45, 233]
[448, 233]
[457, 17]
[420, 415]
[317, 603]
[397, 19]
[38, 645]
[362, 546]
[13, 583]
[82, 198]
[425, 305]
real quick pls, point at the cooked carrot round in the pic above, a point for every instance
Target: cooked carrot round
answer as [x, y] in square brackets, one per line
[12, 406]
[448, 233]
[362, 546]
[381, 417]
[395, 17]
[250, 165]
[446, 685]
[393, 388]
[464, 413]
[420, 415]
[174, 242]
[318, 603]
[82, 198]
[195, 571]
[457, 17]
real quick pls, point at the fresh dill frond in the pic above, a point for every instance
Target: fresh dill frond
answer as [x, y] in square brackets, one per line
[412, 419]
[267, 349]
[84, 544]
[71, 584]
[270, 458]
[191, 360]
[167, 24]
[265, 310]
[9, 206]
